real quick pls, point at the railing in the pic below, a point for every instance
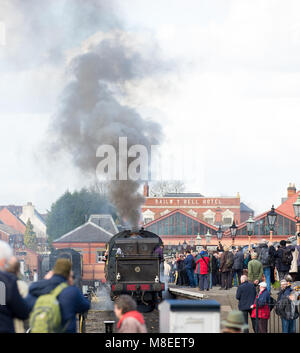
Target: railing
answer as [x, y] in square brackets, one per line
[275, 322]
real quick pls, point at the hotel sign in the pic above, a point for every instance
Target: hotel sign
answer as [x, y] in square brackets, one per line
[187, 202]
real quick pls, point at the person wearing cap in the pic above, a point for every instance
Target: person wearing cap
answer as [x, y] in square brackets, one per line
[234, 323]
[287, 309]
[285, 289]
[71, 299]
[260, 308]
[255, 269]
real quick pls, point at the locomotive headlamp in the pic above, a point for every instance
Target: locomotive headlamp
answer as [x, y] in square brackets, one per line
[156, 279]
[118, 277]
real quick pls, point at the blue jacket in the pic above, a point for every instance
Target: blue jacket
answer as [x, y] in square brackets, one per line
[246, 294]
[263, 298]
[188, 261]
[71, 299]
[15, 306]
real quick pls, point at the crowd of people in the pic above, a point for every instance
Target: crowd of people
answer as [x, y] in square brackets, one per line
[257, 273]
[51, 304]
[225, 265]
[254, 273]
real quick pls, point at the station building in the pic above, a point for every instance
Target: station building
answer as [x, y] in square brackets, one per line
[180, 218]
[90, 241]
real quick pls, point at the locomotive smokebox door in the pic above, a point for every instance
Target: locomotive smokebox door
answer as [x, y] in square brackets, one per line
[192, 316]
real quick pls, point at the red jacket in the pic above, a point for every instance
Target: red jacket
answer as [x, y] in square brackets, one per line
[202, 264]
[132, 322]
[263, 310]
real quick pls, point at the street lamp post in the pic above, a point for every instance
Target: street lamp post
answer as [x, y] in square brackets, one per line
[179, 247]
[272, 216]
[198, 242]
[250, 228]
[296, 206]
[220, 233]
[184, 245]
[192, 243]
[208, 236]
[233, 231]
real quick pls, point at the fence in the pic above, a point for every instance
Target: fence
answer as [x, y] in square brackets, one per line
[275, 323]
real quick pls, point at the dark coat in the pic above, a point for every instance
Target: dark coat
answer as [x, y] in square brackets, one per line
[223, 261]
[214, 264]
[281, 267]
[284, 309]
[284, 293]
[259, 249]
[238, 261]
[189, 261]
[272, 254]
[246, 294]
[71, 300]
[15, 306]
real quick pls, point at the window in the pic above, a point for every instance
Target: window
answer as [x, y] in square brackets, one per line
[148, 220]
[227, 221]
[227, 217]
[209, 216]
[99, 256]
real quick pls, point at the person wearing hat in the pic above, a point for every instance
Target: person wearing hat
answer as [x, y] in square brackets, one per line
[71, 299]
[255, 269]
[234, 323]
[260, 309]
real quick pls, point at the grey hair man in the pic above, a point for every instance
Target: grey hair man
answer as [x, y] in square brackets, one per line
[246, 294]
[12, 305]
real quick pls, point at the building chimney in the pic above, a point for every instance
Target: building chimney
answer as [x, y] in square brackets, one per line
[146, 189]
[291, 190]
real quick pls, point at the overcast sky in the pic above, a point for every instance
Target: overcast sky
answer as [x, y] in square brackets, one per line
[230, 101]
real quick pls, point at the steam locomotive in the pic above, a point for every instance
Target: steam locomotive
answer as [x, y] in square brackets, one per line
[75, 257]
[133, 267]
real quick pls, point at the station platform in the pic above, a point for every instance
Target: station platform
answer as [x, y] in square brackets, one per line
[226, 298]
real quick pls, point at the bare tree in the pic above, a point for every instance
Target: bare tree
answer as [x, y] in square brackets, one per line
[100, 186]
[163, 187]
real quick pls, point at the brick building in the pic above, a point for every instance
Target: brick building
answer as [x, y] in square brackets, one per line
[212, 210]
[9, 216]
[29, 259]
[179, 224]
[90, 240]
[17, 217]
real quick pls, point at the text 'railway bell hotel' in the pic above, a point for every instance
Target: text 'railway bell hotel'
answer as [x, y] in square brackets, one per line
[180, 217]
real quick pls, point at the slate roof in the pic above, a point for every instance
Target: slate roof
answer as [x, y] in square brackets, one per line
[9, 230]
[245, 208]
[183, 194]
[15, 210]
[104, 221]
[287, 206]
[87, 233]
